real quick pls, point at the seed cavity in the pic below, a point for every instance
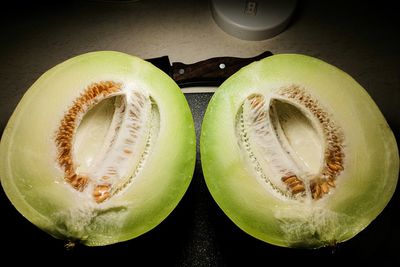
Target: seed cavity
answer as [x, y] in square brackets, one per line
[292, 142]
[124, 148]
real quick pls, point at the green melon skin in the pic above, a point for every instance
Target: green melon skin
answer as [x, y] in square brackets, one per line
[35, 184]
[363, 189]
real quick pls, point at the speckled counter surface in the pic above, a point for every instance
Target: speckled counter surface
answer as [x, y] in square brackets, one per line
[360, 38]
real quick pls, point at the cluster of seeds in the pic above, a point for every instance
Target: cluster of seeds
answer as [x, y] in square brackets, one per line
[93, 94]
[334, 155]
[294, 184]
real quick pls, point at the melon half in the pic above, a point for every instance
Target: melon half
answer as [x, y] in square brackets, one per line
[100, 149]
[296, 153]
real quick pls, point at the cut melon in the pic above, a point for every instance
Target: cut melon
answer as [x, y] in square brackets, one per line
[296, 153]
[100, 149]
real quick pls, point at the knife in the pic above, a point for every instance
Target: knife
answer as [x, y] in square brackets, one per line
[198, 77]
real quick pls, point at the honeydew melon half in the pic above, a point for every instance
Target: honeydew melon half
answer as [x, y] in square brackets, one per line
[100, 149]
[296, 153]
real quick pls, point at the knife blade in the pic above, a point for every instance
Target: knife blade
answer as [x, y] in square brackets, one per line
[207, 73]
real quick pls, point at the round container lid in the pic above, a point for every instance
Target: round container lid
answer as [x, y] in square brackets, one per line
[253, 20]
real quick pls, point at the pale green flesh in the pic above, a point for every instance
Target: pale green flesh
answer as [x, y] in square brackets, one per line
[363, 189]
[35, 183]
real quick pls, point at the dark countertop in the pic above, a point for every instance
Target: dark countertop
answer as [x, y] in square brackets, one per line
[360, 38]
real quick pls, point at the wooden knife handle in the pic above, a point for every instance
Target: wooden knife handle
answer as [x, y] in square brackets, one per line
[210, 72]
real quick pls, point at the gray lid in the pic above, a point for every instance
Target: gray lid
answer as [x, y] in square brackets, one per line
[253, 20]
